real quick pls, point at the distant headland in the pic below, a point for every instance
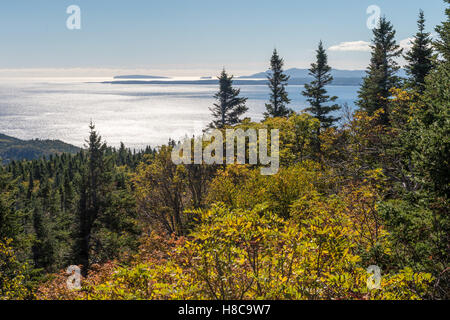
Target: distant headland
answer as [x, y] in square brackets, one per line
[137, 76]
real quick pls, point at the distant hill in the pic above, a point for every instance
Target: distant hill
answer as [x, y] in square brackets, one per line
[296, 73]
[137, 76]
[16, 149]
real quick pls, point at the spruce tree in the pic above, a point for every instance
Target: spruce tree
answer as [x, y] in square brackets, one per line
[420, 56]
[442, 44]
[43, 246]
[230, 106]
[316, 92]
[430, 126]
[30, 185]
[381, 74]
[277, 84]
[69, 194]
[432, 120]
[94, 185]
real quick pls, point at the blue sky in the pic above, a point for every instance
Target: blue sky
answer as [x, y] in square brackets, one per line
[195, 37]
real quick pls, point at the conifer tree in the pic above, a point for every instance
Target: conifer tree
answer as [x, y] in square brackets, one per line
[93, 190]
[69, 193]
[122, 156]
[30, 185]
[431, 122]
[316, 93]
[430, 161]
[43, 247]
[277, 84]
[381, 74]
[230, 106]
[420, 56]
[442, 44]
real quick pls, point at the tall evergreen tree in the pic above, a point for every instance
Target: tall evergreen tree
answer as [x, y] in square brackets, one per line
[420, 56]
[43, 246]
[316, 93]
[432, 121]
[381, 73]
[230, 106]
[430, 162]
[94, 187]
[442, 44]
[30, 185]
[68, 194]
[277, 84]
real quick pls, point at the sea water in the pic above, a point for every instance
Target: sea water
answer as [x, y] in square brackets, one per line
[136, 114]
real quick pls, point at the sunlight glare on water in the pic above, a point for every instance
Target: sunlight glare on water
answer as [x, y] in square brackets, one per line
[136, 114]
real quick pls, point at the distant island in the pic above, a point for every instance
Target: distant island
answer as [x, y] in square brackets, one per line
[238, 81]
[137, 76]
[297, 77]
[17, 149]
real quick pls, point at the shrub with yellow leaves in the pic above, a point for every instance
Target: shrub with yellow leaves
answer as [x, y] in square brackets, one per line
[12, 274]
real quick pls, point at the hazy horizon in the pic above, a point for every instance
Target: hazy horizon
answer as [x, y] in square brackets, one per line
[112, 72]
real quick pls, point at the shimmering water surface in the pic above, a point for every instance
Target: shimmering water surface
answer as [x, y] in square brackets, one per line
[136, 114]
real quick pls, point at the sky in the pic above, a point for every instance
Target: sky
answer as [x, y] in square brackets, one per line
[193, 37]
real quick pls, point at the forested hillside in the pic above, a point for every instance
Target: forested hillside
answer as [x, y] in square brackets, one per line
[16, 149]
[368, 188]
